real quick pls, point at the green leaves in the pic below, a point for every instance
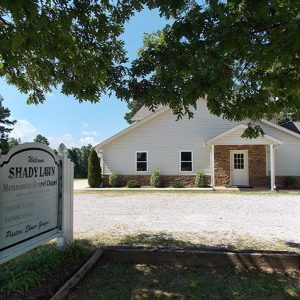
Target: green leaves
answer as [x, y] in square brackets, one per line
[72, 44]
[5, 121]
[5, 127]
[69, 43]
[242, 56]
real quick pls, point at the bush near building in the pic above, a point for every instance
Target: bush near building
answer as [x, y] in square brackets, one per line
[94, 170]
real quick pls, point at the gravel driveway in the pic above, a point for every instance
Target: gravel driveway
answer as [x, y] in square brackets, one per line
[265, 216]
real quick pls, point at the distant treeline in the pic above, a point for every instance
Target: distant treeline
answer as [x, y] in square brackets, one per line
[79, 157]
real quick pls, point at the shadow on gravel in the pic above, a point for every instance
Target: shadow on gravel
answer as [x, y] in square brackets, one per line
[167, 240]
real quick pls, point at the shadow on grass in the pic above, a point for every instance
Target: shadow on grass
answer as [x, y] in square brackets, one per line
[124, 281]
[296, 246]
[166, 241]
[161, 240]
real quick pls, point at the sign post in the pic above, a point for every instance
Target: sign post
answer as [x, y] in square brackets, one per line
[36, 198]
[67, 176]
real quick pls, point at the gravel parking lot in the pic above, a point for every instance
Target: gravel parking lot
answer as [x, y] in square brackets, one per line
[266, 216]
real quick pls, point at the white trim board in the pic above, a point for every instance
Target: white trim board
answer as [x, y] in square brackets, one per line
[240, 126]
[297, 135]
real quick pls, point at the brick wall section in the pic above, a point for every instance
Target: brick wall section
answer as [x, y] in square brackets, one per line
[256, 164]
[144, 180]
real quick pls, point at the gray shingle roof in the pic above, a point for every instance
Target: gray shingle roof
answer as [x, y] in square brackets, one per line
[145, 112]
[293, 126]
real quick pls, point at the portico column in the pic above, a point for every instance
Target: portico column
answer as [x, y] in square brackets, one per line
[272, 167]
[212, 166]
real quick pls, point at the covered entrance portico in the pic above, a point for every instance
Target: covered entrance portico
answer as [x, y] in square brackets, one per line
[236, 161]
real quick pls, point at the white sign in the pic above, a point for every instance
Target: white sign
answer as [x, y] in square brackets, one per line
[29, 198]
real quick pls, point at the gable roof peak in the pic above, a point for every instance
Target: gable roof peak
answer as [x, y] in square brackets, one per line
[145, 112]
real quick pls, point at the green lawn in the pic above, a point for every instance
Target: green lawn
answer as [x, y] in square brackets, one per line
[39, 273]
[122, 282]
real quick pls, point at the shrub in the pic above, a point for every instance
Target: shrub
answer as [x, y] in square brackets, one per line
[288, 181]
[94, 170]
[133, 184]
[113, 180]
[176, 184]
[200, 180]
[155, 178]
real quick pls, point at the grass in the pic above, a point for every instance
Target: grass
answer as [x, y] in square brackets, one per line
[121, 281]
[39, 273]
[35, 269]
[187, 240]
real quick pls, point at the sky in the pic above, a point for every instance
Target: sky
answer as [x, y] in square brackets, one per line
[61, 118]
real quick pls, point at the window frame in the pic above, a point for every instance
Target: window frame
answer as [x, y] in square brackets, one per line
[136, 161]
[192, 161]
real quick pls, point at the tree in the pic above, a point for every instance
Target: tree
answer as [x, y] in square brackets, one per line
[74, 155]
[288, 116]
[94, 170]
[84, 158]
[13, 142]
[80, 159]
[242, 56]
[4, 130]
[133, 107]
[41, 139]
[75, 45]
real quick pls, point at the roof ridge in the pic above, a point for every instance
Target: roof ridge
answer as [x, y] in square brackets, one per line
[145, 112]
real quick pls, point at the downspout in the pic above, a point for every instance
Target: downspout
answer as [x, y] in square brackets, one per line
[212, 165]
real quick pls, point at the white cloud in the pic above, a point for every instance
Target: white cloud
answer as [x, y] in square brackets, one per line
[70, 141]
[86, 137]
[91, 133]
[24, 130]
[84, 125]
[66, 138]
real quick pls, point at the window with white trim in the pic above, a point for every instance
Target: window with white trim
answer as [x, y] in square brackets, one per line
[186, 161]
[141, 161]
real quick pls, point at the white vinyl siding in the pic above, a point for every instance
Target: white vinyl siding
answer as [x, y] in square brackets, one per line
[234, 138]
[287, 155]
[164, 138]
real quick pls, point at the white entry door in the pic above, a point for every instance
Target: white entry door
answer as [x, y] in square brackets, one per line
[239, 174]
